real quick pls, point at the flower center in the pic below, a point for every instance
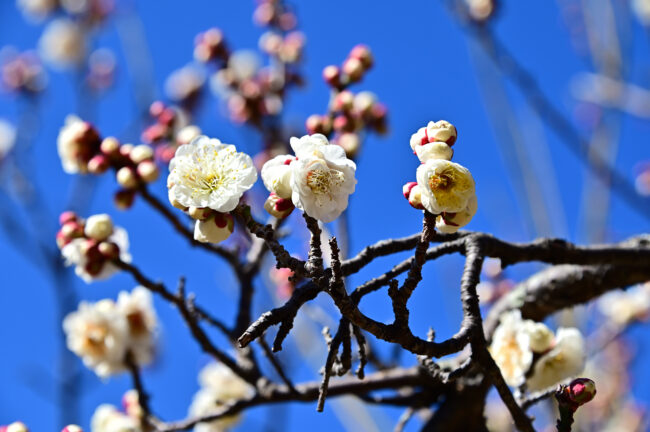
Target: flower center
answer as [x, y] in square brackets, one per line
[94, 340]
[322, 180]
[441, 182]
[137, 323]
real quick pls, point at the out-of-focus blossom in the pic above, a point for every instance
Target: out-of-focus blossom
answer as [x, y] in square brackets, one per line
[480, 10]
[624, 307]
[63, 43]
[101, 69]
[77, 143]
[219, 386]
[72, 428]
[137, 308]
[642, 180]
[36, 10]
[131, 404]
[565, 360]
[14, 427]
[243, 64]
[90, 256]
[210, 45]
[510, 348]
[7, 138]
[98, 333]
[207, 173]
[21, 72]
[641, 9]
[282, 279]
[107, 418]
[184, 84]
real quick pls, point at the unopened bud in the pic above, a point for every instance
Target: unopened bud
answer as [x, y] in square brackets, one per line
[98, 164]
[413, 193]
[332, 75]
[99, 227]
[406, 189]
[109, 250]
[582, 390]
[441, 131]
[364, 101]
[215, 229]
[110, 146]
[278, 207]
[72, 428]
[125, 150]
[72, 230]
[148, 171]
[123, 199]
[127, 178]
[131, 404]
[363, 53]
[141, 153]
[187, 134]
[344, 101]
[68, 216]
[200, 213]
[353, 68]
[351, 143]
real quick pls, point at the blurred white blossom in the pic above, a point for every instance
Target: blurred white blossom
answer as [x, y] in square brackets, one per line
[7, 137]
[510, 348]
[62, 44]
[565, 360]
[624, 307]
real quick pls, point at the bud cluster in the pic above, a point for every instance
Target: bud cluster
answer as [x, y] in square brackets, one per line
[170, 129]
[354, 67]
[443, 188]
[21, 72]
[274, 14]
[92, 238]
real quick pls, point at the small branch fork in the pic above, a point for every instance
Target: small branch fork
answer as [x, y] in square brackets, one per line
[630, 256]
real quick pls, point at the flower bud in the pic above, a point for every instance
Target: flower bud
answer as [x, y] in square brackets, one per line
[353, 68]
[124, 198]
[127, 178]
[351, 143]
[72, 230]
[581, 390]
[125, 150]
[332, 75]
[131, 404]
[148, 171]
[98, 164]
[68, 216]
[363, 54]
[109, 250]
[364, 101]
[435, 150]
[278, 207]
[187, 134]
[110, 146]
[415, 197]
[199, 213]
[344, 101]
[441, 131]
[318, 124]
[141, 153]
[215, 229]
[99, 227]
[406, 189]
[72, 428]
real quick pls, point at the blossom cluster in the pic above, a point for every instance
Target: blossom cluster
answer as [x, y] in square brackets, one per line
[443, 188]
[21, 72]
[219, 387]
[82, 150]
[104, 333]
[318, 179]
[91, 245]
[528, 352]
[206, 180]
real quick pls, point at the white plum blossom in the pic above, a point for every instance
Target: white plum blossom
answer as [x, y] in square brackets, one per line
[540, 337]
[63, 43]
[449, 223]
[446, 187]
[320, 177]
[137, 308]
[623, 307]
[510, 348]
[565, 360]
[98, 333]
[74, 253]
[276, 175]
[7, 138]
[207, 173]
[219, 386]
[107, 418]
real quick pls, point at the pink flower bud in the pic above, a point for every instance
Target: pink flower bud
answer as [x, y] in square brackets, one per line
[156, 108]
[406, 189]
[363, 53]
[278, 207]
[332, 75]
[98, 164]
[200, 213]
[353, 68]
[72, 230]
[344, 101]
[72, 428]
[581, 390]
[351, 143]
[17, 427]
[68, 216]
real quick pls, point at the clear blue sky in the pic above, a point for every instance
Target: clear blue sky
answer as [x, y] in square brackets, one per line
[425, 70]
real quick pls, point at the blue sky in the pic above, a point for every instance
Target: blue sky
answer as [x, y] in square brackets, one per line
[426, 69]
